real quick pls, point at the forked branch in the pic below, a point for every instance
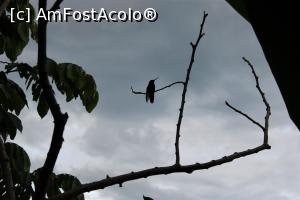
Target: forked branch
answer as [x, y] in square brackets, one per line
[264, 128]
[262, 94]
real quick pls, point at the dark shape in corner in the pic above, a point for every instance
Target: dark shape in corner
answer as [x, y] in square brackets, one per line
[274, 23]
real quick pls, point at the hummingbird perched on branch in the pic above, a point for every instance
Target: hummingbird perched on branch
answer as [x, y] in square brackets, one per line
[150, 91]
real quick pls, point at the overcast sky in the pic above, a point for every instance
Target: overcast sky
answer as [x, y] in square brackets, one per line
[125, 134]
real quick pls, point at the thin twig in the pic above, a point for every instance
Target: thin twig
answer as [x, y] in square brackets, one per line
[245, 115]
[7, 175]
[60, 119]
[178, 82]
[194, 48]
[262, 94]
[119, 180]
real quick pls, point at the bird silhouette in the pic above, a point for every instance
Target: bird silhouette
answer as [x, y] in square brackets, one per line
[150, 91]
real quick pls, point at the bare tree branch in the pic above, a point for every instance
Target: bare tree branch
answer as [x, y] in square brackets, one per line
[155, 171]
[194, 48]
[60, 119]
[178, 82]
[7, 175]
[56, 5]
[176, 168]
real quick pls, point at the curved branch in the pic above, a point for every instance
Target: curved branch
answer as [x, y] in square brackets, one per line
[7, 175]
[109, 181]
[181, 109]
[178, 82]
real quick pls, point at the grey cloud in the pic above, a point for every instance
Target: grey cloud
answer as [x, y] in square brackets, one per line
[145, 144]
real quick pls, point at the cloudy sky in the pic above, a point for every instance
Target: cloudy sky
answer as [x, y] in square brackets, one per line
[125, 134]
